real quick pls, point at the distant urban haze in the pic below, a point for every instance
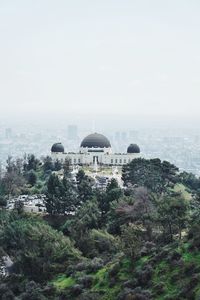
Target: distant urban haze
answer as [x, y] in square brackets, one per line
[99, 57]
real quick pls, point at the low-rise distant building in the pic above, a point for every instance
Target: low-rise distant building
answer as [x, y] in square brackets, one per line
[72, 132]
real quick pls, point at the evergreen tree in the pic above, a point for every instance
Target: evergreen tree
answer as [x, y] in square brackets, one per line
[53, 195]
[84, 186]
[13, 180]
[70, 198]
[153, 174]
[61, 195]
[48, 164]
[57, 165]
[32, 178]
[32, 163]
[66, 168]
[113, 193]
[172, 214]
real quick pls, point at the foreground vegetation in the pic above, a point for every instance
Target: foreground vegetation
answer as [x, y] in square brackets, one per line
[141, 241]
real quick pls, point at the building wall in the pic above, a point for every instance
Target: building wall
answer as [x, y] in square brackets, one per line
[102, 158]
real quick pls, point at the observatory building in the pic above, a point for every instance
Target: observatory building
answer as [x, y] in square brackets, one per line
[95, 148]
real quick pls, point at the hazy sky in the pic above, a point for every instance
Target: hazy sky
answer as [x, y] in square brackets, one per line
[94, 56]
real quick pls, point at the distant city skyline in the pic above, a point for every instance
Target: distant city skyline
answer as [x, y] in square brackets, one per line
[176, 145]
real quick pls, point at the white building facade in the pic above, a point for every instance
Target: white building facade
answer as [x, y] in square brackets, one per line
[95, 148]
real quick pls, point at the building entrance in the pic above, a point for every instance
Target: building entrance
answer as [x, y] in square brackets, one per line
[95, 159]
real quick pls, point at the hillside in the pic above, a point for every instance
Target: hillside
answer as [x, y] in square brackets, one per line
[139, 241]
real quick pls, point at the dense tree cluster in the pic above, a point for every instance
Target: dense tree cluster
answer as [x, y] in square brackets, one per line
[26, 176]
[114, 243]
[154, 174]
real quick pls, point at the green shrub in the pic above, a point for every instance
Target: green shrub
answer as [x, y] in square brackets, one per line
[38, 250]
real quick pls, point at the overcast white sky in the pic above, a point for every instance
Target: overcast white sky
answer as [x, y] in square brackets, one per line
[95, 56]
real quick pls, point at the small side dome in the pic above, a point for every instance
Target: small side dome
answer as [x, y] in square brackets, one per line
[57, 147]
[133, 148]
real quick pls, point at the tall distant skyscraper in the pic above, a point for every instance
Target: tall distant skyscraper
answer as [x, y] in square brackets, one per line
[8, 133]
[123, 136]
[72, 132]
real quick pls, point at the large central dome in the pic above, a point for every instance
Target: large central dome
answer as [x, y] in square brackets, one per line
[95, 140]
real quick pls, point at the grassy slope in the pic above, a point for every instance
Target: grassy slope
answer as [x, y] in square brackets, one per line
[63, 282]
[178, 279]
[166, 281]
[101, 279]
[171, 278]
